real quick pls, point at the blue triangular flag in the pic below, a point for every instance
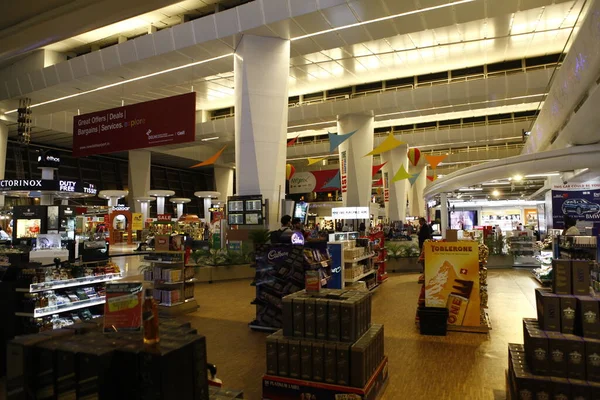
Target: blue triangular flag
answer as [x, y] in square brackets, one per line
[334, 183]
[414, 178]
[336, 140]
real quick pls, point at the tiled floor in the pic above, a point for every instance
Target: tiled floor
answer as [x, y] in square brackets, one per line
[458, 366]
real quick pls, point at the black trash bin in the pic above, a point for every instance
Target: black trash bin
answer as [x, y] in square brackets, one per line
[433, 321]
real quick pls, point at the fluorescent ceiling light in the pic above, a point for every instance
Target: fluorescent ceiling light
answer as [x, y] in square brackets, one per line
[541, 175]
[495, 183]
[138, 78]
[209, 138]
[339, 28]
[470, 189]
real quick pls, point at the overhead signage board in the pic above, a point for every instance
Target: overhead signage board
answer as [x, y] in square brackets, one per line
[36, 185]
[171, 120]
[350, 213]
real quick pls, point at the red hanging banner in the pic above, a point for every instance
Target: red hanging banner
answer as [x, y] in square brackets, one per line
[153, 123]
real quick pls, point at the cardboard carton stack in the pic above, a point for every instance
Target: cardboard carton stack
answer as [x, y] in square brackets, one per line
[82, 362]
[560, 358]
[327, 337]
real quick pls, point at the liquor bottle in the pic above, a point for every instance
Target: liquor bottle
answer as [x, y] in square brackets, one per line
[150, 318]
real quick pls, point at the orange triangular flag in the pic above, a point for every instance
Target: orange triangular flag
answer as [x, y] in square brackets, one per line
[210, 160]
[434, 161]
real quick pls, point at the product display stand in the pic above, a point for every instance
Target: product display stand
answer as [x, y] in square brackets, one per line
[52, 298]
[327, 350]
[524, 249]
[84, 363]
[380, 261]
[281, 269]
[173, 282]
[559, 357]
[353, 265]
[466, 289]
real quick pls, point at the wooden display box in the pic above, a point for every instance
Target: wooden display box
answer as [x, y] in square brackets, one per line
[280, 388]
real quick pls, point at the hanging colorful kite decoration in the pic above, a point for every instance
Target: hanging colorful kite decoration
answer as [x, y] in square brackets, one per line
[290, 170]
[434, 161]
[333, 183]
[211, 160]
[414, 178]
[390, 143]
[401, 174]
[336, 140]
[414, 155]
[377, 168]
[293, 141]
[312, 161]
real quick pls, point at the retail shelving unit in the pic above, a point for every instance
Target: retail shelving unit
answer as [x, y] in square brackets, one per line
[54, 298]
[352, 264]
[524, 249]
[173, 281]
[280, 271]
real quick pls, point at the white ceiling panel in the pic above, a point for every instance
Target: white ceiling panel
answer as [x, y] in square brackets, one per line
[354, 35]
[94, 62]
[314, 22]
[469, 11]
[110, 57]
[338, 16]
[303, 6]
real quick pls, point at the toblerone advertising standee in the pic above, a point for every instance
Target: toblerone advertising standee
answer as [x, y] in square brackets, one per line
[452, 280]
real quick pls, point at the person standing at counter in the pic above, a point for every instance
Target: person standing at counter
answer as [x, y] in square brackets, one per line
[570, 228]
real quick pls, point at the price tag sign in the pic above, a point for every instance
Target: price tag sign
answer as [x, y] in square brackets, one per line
[123, 307]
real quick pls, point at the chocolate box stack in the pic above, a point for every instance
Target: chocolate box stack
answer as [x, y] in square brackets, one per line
[327, 337]
[82, 362]
[560, 358]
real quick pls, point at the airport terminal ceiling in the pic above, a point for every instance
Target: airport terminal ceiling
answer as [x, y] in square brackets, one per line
[463, 78]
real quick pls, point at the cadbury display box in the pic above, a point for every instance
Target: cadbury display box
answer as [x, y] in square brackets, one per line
[548, 310]
[581, 277]
[561, 284]
[568, 308]
[588, 323]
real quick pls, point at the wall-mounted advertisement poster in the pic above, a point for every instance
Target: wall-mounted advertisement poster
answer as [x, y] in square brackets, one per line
[579, 201]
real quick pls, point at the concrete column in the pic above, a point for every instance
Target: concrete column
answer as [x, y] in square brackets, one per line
[398, 191]
[224, 182]
[355, 169]
[261, 68]
[3, 146]
[418, 201]
[139, 177]
[444, 212]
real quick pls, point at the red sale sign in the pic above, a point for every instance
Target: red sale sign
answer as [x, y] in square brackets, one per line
[160, 122]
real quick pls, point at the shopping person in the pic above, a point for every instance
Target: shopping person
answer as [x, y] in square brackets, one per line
[424, 232]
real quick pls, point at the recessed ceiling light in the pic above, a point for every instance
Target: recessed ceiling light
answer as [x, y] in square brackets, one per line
[517, 178]
[496, 193]
[209, 139]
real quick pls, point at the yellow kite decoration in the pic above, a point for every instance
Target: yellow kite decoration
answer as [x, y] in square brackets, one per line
[312, 161]
[211, 160]
[401, 174]
[390, 143]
